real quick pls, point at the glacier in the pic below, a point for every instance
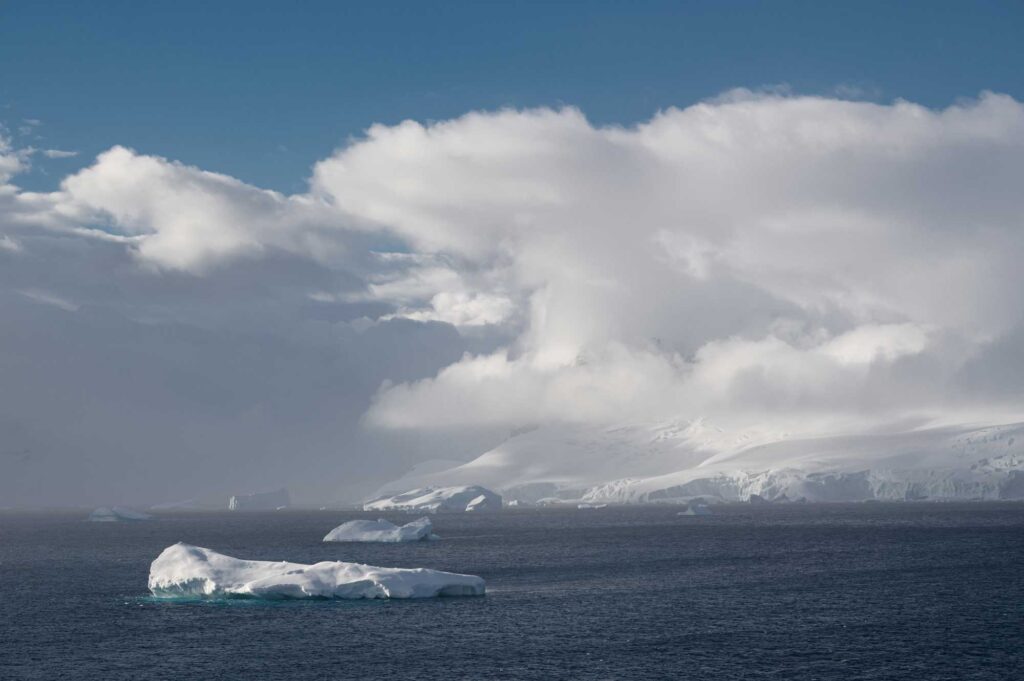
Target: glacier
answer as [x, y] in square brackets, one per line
[438, 499]
[381, 531]
[185, 571]
[679, 461]
[115, 514]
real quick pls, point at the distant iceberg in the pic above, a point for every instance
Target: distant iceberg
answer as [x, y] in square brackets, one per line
[696, 508]
[116, 514]
[260, 501]
[381, 531]
[439, 499]
[184, 571]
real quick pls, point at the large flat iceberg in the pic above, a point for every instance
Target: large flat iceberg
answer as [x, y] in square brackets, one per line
[381, 531]
[184, 571]
[116, 514]
[435, 499]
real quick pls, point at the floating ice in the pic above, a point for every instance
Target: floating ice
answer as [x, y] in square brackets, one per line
[696, 509]
[116, 514]
[184, 571]
[381, 531]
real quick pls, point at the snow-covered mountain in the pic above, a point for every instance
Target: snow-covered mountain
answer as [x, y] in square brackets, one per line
[461, 498]
[678, 461]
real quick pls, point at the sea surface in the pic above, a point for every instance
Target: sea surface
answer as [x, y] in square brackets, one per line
[866, 591]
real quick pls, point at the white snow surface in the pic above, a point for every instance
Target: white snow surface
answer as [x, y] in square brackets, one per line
[439, 499]
[184, 571]
[115, 514]
[381, 531]
[678, 461]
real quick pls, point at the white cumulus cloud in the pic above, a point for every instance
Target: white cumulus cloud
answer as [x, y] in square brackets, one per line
[756, 255]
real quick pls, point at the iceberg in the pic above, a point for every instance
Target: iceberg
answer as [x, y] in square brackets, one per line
[696, 509]
[116, 514]
[439, 499]
[184, 571]
[260, 501]
[381, 531]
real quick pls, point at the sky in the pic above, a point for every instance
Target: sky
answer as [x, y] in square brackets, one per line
[244, 245]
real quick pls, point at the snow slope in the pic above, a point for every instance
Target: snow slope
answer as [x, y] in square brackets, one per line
[184, 571]
[678, 461]
[381, 531]
[438, 499]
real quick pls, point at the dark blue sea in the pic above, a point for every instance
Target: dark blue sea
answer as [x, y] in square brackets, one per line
[868, 591]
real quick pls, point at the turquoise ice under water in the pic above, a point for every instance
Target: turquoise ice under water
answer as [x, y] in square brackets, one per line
[870, 591]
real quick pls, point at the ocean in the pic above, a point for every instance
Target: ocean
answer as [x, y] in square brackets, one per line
[859, 591]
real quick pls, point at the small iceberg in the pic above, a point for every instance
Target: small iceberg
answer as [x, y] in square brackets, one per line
[584, 507]
[696, 509]
[381, 531]
[184, 571]
[116, 514]
[758, 500]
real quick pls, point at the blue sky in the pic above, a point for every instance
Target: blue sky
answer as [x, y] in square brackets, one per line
[261, 90]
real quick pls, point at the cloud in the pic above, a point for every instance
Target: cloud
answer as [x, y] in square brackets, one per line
[759, 256]
[789, 246]
[46, 298]
[189, 217]
[9, 244]
[429, 288]
[12, 161]
[58, 153]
